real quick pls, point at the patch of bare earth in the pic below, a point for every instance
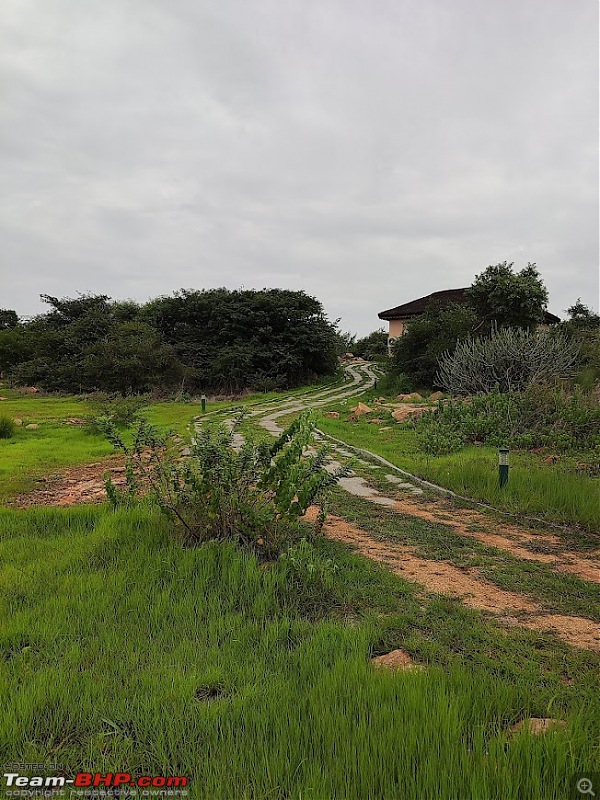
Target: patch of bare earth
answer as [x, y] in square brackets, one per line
[83, 484]
[513, 539]
[465, 585]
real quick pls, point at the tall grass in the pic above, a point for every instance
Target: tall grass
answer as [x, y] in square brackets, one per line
[549, 491]
[119, 650]
[543, 490]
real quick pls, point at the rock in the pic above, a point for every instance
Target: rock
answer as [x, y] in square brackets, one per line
[376, 421]
[551, 460]
[361, 408]
[75, 421]
[410, 397]
[3, 398]
[387, 428]
[436, 396]
[400, 414]
[396, 660]
[31, 427]
[537, 725]
[18, 421]
[331, 414]
[31, 390]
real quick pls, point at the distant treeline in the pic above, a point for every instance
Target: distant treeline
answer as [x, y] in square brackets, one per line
[214, 340]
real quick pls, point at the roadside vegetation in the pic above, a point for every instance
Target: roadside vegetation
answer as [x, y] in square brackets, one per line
[557, 488]
[496, 381]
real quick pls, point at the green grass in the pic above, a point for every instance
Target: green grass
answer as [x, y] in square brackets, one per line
[118, 649]
[55, 445]
[551, 492]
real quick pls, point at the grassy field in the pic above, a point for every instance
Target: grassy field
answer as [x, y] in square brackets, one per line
[119, 650]
[550, 491]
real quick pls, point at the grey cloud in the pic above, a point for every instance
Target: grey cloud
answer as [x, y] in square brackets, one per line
[368, 153]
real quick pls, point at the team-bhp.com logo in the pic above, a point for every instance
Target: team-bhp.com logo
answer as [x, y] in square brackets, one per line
[92, 780]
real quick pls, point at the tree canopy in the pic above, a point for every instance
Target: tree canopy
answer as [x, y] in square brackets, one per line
[204, 340]
[508, 299]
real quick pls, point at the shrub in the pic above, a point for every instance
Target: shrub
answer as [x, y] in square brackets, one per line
[253, 496]
[537, 417]
[509, 359]
[7, 428]
[122, 412]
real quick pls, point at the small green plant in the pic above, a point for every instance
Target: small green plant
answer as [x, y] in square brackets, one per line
[7, 428]
[310, 579]
[122, 412]
[253, 496]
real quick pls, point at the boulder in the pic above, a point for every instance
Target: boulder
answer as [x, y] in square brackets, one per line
[408, 398]
[361, 408]
[436, 396]
[376, 421]
[400, 414]
[396, 660]
[31, 390]
[31, 427]
[18, 422]
[332, 414]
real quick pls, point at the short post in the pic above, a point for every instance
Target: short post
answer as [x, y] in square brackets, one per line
[503, 467]
[203, 401]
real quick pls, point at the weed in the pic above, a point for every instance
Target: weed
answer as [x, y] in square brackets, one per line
[7, 428]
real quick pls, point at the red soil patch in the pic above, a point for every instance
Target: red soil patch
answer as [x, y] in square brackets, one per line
[512, 538]
[83, 484]
[464, 584]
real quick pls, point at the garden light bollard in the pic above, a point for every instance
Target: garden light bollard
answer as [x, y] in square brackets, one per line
[203, 401]
[503, 467]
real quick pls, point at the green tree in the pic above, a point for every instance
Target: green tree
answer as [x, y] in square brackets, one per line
[371, 346]
[427, 338]
[9, 319]
[505, 298]
[132, 358]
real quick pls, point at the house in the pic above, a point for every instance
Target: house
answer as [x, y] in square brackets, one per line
[401, 316]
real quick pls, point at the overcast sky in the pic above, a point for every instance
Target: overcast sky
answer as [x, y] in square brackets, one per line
[367, 152]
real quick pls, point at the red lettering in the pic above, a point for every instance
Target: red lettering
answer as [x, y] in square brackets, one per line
[105, 779]
[177, 781]
[121, 777]
[158, 781]
[83, 779]
[145, 780]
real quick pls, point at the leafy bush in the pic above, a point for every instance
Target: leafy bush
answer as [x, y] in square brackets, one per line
[253, 496]
[123, 412]
[371, 346]
[427, 338]
[509, 359]
[7, 428]
[539, 417]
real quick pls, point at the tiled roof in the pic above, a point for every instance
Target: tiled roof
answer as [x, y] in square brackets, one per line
[443, 299]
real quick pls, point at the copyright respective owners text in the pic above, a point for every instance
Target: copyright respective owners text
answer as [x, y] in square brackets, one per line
[53, 780]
